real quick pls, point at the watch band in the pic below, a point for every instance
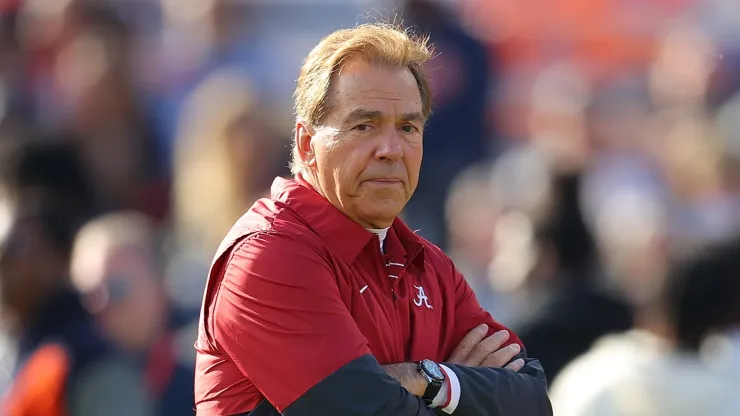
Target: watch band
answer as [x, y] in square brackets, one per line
[435, 377]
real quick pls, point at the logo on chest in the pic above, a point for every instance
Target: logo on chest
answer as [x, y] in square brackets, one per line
[421, 298]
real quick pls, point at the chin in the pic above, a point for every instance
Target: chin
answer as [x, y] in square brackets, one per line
[382, 215]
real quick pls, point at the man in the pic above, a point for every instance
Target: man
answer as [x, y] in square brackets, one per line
[666, 372]
[53, 360]
[320, 300]
[115, 267]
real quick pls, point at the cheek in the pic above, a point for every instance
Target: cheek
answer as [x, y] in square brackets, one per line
[346, 162]
[412, 160]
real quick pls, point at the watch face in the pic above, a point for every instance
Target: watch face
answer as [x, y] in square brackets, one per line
[433, 370]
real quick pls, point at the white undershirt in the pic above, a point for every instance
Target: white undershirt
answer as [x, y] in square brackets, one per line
[381, 233]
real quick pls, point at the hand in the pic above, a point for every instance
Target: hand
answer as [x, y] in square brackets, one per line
[477, 350]
[408, 376]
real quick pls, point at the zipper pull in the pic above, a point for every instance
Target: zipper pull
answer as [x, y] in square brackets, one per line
[393, 291]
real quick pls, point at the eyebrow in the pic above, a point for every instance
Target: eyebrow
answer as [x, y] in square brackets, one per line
[362, 114]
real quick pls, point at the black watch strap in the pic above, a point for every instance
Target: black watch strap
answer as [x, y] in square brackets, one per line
[435, 378]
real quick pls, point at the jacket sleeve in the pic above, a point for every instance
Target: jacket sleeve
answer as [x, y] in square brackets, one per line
[493, 391]
[278, 315]
[498, 392]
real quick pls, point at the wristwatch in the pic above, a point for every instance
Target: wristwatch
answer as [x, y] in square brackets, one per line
[435, 377]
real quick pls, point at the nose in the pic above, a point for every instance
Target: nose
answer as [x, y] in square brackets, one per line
[389, 148]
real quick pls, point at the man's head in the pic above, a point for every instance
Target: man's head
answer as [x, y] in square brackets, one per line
[702, 294]
[114, 266]
[42, 189]
[361, 102]
[35, 241]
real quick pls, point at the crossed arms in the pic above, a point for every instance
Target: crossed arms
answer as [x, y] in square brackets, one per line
[297, 342]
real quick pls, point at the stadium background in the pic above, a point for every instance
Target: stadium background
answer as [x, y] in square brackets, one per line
[576, 146]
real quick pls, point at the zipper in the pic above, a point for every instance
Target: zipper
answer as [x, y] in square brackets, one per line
[384, 269]
[392, 315]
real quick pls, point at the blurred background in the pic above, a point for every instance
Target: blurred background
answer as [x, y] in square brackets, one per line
[582, 167]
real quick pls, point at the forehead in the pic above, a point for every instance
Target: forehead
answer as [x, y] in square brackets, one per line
[109, 262]
[360, 84]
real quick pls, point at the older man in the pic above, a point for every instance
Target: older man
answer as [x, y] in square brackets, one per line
[320, 301]
[114, 267]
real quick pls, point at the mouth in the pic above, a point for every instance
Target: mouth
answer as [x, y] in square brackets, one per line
[384, 181]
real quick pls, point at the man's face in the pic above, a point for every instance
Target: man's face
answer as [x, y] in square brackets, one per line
[366, 156]
[122, 289]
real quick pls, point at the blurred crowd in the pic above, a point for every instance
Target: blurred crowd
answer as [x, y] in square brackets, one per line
[582, 168]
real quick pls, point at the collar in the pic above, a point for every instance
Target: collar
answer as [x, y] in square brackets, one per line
[344, 236]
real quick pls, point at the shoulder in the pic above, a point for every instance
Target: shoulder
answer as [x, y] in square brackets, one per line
[268, 258]
[268, 228]
[276, 248]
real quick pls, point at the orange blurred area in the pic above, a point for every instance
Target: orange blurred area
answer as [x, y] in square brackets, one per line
[604, 37]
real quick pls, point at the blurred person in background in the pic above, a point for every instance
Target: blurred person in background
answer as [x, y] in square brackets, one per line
[521, 181]
[695, 163]
[669, 199]
[461, 79]
[701, 298]
[54, 360]
[691, 143]
[115, 267]
[574, 309]
[82, 78]
[683, 44]
[556, 119]
[223, 160]
[471, 213]
[630, 226]
[197, 39]
[545, 251]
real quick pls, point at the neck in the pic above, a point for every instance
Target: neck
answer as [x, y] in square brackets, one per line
[310, 179]
[381, 233]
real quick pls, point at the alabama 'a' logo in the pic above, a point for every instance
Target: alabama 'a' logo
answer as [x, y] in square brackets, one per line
[421, 298]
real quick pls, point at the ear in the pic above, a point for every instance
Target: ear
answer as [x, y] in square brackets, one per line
[304, 135]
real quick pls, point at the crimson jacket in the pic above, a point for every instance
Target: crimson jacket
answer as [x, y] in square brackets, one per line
[302, 307]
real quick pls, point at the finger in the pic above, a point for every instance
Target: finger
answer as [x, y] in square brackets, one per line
[499, 358]
[516, 365]
[473, 338]
[486, 347]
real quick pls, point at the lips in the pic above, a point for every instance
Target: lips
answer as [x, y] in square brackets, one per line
[385, 180]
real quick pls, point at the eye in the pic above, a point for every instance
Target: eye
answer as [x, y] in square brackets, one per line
[362, 127]
[409, 128]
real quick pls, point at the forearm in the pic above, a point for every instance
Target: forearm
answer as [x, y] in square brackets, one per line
[361, 388]
[409, 377]
[498, 392]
